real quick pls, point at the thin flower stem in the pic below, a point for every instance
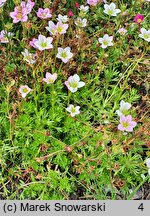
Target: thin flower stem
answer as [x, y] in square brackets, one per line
[69, 95]
[60, 67]
[53, 99]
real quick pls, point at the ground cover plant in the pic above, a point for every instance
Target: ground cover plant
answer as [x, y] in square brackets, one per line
[74, 111]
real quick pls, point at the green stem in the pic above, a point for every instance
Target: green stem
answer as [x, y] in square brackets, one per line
[53, 98]
[69, 95]
[137, 188]
[60, 67]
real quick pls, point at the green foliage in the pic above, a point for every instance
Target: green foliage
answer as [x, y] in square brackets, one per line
[44, 152]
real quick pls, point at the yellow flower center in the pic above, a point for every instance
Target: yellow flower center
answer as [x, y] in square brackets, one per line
[43, 44]
[63, 55]
[74, 84]
[50, 80]
[25, 90]
[105, 43]
[146, 36]
[19, 15]
[110, 12]
[73, 109]
[139, 20]
[59, 29]
[125, 124]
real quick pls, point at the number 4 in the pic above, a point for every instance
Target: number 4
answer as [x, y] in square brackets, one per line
[141, 207]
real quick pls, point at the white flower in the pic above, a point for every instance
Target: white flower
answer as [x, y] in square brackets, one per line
[148, 165]
[106, 41]
[64, 54]
[62, 19]
[84, 8]
[111, 9]
[73, 110]
[145, 34]
[148, 162]
[29, 57]
[81, 22]
[2, 2]
[124, 106]
[24, 90]
[51, 27]
[5, 36]
[43, 43]
[50, 78]
[73, 83]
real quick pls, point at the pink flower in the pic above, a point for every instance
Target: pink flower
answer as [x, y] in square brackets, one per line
[19, 14]
[138, 18]
[70, 13]
[92, 2]
[29, 5]
[24, 90]
[59, 28]
[126, 123]
[122, 31]
[44, 13]
[50, 78]
[32, 42]
[76, 4]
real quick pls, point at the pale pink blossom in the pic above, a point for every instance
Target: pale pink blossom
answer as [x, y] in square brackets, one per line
[44, 13]
[50, 78]
[59, 28]
[24, 90]
[73, 83]
[93, 2]
[122, 31]
[29, 5]
[126, 123]
[51, 27]
[19, 14]
[32, 42]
